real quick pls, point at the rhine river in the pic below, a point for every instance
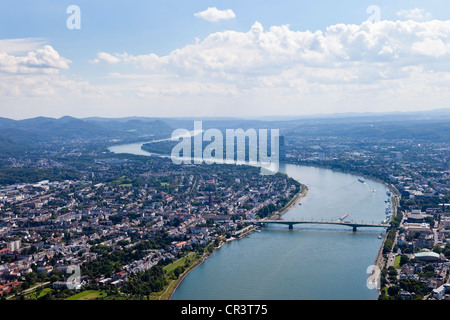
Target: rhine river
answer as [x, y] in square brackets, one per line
[310, 262]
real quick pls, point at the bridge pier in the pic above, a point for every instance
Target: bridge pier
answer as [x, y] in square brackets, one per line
[290, 223]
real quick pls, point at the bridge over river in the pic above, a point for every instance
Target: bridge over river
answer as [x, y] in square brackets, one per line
[291, 223]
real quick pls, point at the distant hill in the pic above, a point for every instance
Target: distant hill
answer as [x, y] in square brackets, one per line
[443, 113]
[432, 130]
[18, 136]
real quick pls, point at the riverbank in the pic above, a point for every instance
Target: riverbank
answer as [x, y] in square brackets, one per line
[169, 290]
[395, 196]
[293, 202]
[184, 275]
[246, 231]
[296, 200]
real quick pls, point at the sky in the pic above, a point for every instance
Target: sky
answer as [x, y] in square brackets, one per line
[228, 58]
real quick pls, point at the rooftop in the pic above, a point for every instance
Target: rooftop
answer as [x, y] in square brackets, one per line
[427, 255]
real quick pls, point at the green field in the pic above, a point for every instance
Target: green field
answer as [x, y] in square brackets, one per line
[181, 262]
[88, 295]
[397, 262]
[123, 182]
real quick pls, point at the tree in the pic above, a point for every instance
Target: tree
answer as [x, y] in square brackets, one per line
[54, 278]
[41, 276]
[392, 272]
[393, 291]
[24, 285]
[31, 278]
[384, 296]
[403, 259]
[47, 296]
[178, 270]
[446, 250]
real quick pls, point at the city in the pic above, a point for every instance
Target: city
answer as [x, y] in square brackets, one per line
[121, 217]
[224, 158]
[168, 210]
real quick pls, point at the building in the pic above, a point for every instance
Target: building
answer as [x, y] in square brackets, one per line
[104, 282]
[7, 287]
[438, 293]
[414, 217]
[45, 269]
[120, 275]
[427, 256]
[118, 283]
[445, 221]
[423, 228]
[14, 245]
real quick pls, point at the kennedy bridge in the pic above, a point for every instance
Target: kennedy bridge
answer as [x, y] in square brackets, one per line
[291, 223]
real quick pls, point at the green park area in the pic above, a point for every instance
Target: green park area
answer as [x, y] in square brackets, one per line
[88, 295]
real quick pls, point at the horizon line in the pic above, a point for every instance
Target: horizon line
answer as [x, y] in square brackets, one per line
[274, 117]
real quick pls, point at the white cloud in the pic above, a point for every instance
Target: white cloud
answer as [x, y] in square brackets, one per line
[103, 56]
[42, 60]
[414, 14]
[190, 88]
[390, 63]
[20, 46]
[30, 76]
[213, 14]
[431, 47]
[266, 70]
[229, 54]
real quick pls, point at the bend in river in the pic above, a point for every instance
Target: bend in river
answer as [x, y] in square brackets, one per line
[316, 262]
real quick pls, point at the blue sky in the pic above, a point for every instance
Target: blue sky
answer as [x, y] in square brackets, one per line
[162, 58]
[164, 25]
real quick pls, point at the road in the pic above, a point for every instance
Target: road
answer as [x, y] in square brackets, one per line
[390, 260]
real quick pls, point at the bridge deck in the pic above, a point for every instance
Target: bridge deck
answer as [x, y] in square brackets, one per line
[343, 223]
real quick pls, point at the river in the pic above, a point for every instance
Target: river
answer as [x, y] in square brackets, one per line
[310, 262]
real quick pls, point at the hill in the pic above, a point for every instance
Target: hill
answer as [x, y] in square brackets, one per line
[18, 136]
